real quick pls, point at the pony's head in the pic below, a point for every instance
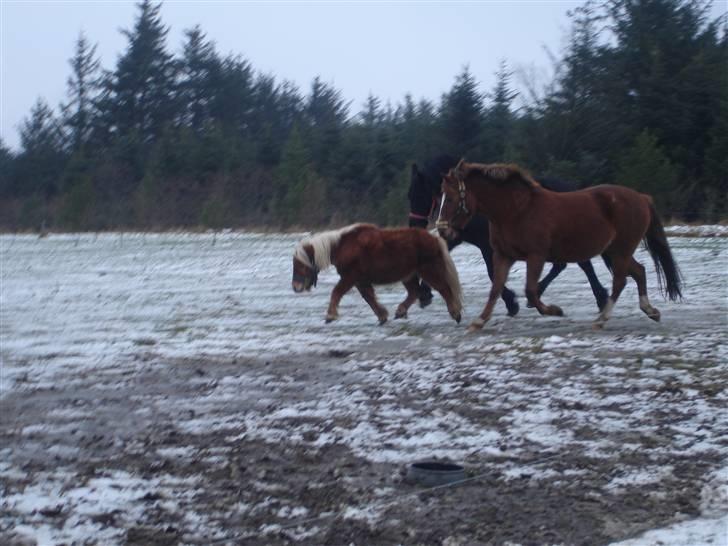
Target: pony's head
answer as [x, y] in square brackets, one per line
[305, 272]
[457, 205]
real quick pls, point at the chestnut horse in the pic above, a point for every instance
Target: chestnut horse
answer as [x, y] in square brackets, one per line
[364, 255]
[531, 223]
[424, 195]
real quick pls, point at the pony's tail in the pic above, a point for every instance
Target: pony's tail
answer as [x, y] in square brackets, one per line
[669, 278]
[451, 273]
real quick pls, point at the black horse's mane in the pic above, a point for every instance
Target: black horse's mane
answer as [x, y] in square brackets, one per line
[435, 169]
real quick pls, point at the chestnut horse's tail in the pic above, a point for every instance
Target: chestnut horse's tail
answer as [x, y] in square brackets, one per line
[451, 273]
[669, 278]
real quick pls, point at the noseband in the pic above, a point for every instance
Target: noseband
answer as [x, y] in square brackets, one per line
[298, 277]
[462, 207]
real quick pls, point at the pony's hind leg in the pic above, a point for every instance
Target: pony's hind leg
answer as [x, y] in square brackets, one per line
[637, 272]
[367, 292]
[534, 267]
[412, 285]
[435, 277]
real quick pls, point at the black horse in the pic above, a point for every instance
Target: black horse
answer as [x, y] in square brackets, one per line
[424, 194]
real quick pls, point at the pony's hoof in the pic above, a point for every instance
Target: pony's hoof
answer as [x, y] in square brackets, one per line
[598, 325]
[331, 318]
[513, 308]
[654, 315]
[382, 320]
[456, 317]
[400, 314]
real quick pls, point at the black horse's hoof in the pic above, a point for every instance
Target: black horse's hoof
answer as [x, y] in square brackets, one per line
[513, 308]
[425, 300]
[602, 300]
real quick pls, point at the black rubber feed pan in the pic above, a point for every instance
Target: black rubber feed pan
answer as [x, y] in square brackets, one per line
[434, 473]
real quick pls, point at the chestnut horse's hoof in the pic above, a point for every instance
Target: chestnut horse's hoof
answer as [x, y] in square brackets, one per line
[457, 317]
[476, 325]
[331, 318]
[401, 313]
[598, 324]
[382, 320]
[554, 311]
[654, 314]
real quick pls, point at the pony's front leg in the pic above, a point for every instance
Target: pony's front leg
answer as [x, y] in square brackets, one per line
[341, 288]
[534, 267]
[367, 292]
[501, 267]
[411, 285]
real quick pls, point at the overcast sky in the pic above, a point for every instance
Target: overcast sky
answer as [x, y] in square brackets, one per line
[383, 48]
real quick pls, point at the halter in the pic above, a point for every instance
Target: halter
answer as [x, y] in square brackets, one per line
[298, 277]
[462, 207]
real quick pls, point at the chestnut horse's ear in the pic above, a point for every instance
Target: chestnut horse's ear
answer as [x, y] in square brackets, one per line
[457, 171]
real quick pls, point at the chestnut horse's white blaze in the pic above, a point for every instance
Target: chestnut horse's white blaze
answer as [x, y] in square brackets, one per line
[365, 255]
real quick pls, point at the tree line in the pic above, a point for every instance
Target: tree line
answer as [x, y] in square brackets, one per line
[639, 97]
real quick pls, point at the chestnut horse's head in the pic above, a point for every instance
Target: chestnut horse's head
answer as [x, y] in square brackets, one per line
[457, 205]
[305, 272]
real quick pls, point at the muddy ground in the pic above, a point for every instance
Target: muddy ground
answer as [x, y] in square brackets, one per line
[568, 436]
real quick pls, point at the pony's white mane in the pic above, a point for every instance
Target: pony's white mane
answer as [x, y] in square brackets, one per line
[322, 244]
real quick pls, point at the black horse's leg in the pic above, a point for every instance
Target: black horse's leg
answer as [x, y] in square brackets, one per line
[425, 292]
[600, 293]
[508, 296]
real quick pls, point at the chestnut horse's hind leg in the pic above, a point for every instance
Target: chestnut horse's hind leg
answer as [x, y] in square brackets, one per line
[501, 267]
[637, 272]
[367, 292]
[341, 288]
[412, 285]
[534, 266]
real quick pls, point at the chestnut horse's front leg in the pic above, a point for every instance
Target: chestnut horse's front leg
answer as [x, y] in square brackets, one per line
[367, 292]
[501, 267]
[534, 267]
[341, 288]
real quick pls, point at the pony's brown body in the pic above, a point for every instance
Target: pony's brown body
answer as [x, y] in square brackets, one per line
[365, 255]
[528, 222]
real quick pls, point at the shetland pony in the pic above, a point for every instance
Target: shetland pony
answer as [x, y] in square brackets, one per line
[424, 195]
[365, 255]
[531, 223]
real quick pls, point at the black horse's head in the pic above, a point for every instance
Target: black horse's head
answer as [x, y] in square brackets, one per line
[424, 188]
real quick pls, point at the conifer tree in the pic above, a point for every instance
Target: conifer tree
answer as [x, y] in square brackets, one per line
[461, 116]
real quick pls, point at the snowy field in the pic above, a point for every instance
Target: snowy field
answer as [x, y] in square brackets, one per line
[172, 389]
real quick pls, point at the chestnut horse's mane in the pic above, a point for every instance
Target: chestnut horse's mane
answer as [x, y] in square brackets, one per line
[498, 172]
[322, 244]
